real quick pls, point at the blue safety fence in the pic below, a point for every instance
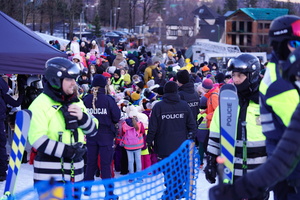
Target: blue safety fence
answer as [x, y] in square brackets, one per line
[172, 178]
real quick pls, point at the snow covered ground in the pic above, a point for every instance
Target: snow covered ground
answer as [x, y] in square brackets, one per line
[26, 173]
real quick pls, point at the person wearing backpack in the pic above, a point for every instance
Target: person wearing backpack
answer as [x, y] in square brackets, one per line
[133, 140]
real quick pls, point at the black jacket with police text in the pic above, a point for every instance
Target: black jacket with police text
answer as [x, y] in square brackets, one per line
[170, 122]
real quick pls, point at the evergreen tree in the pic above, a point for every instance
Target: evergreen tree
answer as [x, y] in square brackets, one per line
[97, 26]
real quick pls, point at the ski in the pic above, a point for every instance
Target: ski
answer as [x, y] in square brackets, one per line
[228, 102]
[17, 150]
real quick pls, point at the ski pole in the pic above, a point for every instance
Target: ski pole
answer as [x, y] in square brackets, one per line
[61, 159]
[220, 161]
[244, 147]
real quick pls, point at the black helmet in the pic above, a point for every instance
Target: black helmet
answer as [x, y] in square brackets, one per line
[291, 68]
[282, 30]
[59, 68]
[246, 64]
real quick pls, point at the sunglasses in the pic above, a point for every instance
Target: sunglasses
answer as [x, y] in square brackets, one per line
[294, 43]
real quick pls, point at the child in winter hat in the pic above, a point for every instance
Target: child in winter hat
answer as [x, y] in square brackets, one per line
[207, 84]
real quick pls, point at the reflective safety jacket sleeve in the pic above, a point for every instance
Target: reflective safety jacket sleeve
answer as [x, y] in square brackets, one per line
[48, 122]
[284, 159]
[278, 100]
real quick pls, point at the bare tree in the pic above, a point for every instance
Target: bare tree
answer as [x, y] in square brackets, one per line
[147, 6]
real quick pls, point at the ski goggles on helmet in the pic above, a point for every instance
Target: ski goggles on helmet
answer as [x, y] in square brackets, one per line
[72, 72]
[236, 65]
[294, 43]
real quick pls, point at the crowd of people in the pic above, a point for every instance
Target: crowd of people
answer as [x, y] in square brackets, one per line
[102, 112]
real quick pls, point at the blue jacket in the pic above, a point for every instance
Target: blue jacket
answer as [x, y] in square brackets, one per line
[108, 114]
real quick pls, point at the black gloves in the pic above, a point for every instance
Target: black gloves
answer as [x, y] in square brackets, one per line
[211, 169]
[74, 152]
[222, 191]
[150, 147]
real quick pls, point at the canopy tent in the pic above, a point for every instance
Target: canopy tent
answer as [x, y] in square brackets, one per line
[22, 51]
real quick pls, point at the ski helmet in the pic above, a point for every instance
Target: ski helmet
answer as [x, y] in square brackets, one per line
[246, 64]
[59, 68]
[283, 29]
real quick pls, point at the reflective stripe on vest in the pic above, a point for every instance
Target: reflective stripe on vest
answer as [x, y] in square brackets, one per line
[269, 77]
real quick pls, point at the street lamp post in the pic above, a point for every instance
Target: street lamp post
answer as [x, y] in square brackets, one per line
[110, 19]
[115, 16]
[80, 21]
[25, 2]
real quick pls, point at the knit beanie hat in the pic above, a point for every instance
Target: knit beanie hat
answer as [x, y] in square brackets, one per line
[170, 87]
[133, 112]
[131, 62]
[117, 71]
[127, 78]
[207, 84]
[99, 80]
[140, 84]
[183, 76]
[205, 69]
[203, 102]
[135, 96]
[220, 77]
[107, 75]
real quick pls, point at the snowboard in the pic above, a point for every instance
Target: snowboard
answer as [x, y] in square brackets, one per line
[228, 108]
[17, 150]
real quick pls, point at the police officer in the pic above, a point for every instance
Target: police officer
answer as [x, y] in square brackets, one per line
[106, 110]
[58, 125]
[245, 73]
[170, 124]
[284, 158]
[187, 91]
[279, 98]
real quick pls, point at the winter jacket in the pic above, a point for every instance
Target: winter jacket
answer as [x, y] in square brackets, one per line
[170, 122]
[188, 94]
[279, 99]
[256, 145]
[212, 103]
[117, 83]
[119, 60]
[108, 114]
[126, 125]
[148, 73]
[47, 123]
[281, 164]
